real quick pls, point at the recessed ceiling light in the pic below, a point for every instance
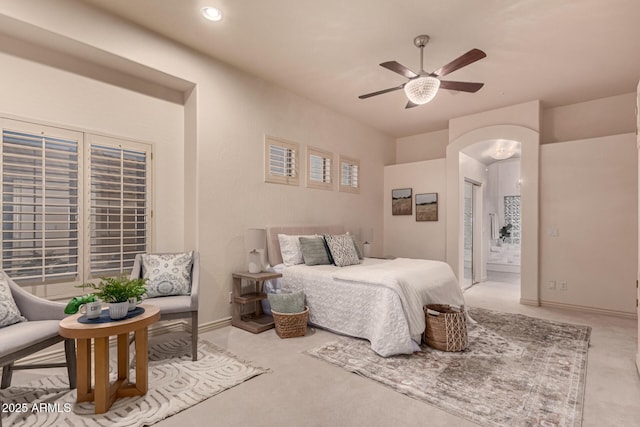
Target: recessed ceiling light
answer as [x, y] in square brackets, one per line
[212, 13]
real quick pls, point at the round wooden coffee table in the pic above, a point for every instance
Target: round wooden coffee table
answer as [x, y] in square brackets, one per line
[104, 393]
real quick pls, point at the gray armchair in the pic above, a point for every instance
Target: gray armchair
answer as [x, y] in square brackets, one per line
[179, 306]
[39, 332]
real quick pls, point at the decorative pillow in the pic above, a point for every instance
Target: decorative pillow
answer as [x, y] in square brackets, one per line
[290, 249]
[9, 312]
[342, 249]
[313, 251]
[167, 274]
[287, 303]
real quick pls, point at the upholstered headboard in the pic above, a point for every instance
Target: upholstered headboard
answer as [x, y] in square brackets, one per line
[273, 245]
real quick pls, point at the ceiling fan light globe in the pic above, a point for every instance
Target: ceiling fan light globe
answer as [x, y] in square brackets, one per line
[422, 90]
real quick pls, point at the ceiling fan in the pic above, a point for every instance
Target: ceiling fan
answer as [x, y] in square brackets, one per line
[422, 87]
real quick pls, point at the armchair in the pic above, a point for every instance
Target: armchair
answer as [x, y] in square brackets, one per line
[178, 306]
[39, 332]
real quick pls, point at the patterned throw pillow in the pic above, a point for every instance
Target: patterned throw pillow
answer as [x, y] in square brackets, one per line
[314, 251]
[342, 249]
[9, 312]
[167, 274]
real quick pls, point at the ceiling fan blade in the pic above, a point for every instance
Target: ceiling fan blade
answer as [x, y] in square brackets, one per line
[380, 92]
[461, 86]
[468, 58]
[396, 67]
[411, 105]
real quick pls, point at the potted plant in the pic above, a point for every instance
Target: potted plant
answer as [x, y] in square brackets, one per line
[117, 291]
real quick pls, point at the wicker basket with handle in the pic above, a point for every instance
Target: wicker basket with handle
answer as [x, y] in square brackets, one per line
[446, 328]
[289, 325]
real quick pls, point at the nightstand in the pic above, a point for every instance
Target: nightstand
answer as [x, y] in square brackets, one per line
[256, 321]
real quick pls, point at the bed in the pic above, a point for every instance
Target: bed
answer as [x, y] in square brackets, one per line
[379, 300]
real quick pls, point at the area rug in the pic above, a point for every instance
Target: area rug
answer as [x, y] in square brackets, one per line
[175, 384]
[517, 371]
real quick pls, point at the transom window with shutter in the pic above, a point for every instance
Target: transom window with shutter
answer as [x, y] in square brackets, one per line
[349, 175]
[281, 161]
[74, 206]
[319, 169]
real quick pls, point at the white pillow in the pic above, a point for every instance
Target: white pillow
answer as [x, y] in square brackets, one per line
[290, 248]
[9, 312]
[167, 274]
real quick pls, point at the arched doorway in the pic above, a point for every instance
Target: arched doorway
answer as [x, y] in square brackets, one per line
[530, 143]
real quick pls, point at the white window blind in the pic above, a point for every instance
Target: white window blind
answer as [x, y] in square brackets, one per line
[281, 161]
[40, 204]
[349, 175]
[118, 208]
[319, 169]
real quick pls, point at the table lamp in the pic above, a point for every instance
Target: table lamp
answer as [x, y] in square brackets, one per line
[255, 239]
[367, 238]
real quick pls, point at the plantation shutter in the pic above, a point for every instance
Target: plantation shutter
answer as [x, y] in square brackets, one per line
[349, 170]
[319, 168]
[119, 205]
[281, 161]
[40, 203]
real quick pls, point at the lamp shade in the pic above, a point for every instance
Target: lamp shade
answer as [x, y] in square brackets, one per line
[422, 90]
[255, 238]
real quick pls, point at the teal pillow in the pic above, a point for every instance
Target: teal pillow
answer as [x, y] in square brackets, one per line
[287, 303]
[314, 251]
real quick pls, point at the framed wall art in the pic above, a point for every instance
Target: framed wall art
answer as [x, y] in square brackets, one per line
[401, 201]
[427, 207]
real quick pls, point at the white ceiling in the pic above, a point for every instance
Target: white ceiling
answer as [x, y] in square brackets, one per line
[558, 51]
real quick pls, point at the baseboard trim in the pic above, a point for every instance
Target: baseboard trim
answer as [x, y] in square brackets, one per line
[607, 312]
[532, 302]
[50, 356]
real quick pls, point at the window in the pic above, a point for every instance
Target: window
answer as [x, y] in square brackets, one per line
[118, 207]
[349, 175]
[512, 216]
[319, 169]
[281, 161]
[74, 206]
[40, 204]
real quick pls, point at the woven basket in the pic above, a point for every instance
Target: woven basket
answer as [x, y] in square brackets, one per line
[289, 325]
[447, 330]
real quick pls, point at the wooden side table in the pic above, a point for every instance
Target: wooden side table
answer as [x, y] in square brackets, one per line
[104, 393]
[257, 321]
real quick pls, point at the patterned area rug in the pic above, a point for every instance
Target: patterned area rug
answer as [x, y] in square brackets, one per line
[517, 371]
[175, 384]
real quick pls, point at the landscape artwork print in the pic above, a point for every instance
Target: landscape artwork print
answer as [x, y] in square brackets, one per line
[427, 207]
[401, 202]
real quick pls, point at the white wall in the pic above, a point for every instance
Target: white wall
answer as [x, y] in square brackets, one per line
[588, 192]
[228, 113]
[403, 235]
[425, 146]
[591, 119]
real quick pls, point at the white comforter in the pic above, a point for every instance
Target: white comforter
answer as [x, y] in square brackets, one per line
[379, 300]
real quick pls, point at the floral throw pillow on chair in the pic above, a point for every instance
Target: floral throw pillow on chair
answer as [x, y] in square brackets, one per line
[167, 274]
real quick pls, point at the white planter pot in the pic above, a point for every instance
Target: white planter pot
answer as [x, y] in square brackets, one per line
[118, 310]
